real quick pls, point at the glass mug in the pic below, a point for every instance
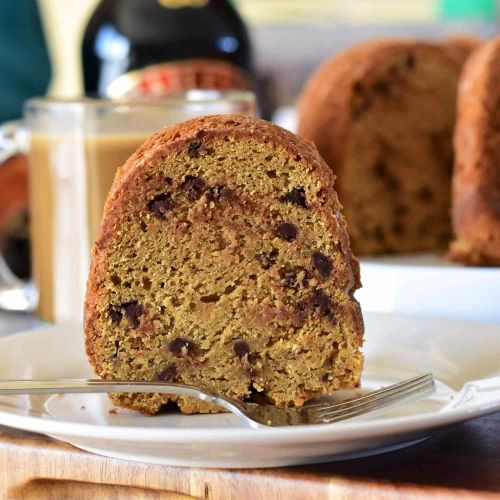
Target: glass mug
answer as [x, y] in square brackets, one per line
[74, 149]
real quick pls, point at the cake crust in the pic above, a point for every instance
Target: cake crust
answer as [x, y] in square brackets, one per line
[476, 179]
[147, 329]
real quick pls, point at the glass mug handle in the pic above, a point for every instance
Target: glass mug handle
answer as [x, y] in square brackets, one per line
[15, 294]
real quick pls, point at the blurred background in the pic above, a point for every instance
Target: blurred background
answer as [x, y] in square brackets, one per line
[289, 37]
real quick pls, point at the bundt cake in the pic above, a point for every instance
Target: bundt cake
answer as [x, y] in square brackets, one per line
[223, 261]
[476, 178]
[382, 116]
[461, 46]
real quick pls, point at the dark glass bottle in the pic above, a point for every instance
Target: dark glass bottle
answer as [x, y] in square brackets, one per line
[153, 47]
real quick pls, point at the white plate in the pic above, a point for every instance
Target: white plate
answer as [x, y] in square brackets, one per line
[430, 285]
[464, 358]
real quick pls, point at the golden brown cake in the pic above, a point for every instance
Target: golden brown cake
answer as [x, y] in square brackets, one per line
[223, 262]
[461, 46]
[382, 116]
[476, 179]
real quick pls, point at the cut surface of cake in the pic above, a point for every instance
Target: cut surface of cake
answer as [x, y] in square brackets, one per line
[382, 116]
[223, 262]
[476, 178]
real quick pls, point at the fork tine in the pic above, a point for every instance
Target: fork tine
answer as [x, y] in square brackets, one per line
[400, 394]
[389, 388]
[385, 400]
[388, 392]
[346, 414]
[392, 390]
[371, 395]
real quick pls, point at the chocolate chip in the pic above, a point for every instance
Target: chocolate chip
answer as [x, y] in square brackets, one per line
[117, 348]
[400, 210]
[287, 231]
[241, 348]
[392, 183]
[381, 169]
[267, 260]
[290, 277]
[320, 300]
[243, 351]
[255, 396]
[317, 301]
[358, 87]
[133, 311]
[302, 306]
[410, 61]
[160, 205]
[168, 374]
[217, 193]
[182, 347]
[297, 196]
[382, 87]
[361, 107]
[322, 264]
[115, 314]
[193, 187]
[325, 377]
[398, 228]
[425, 194]
[290, 280]
[195, 149]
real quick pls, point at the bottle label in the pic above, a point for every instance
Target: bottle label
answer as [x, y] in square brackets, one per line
[177, 76]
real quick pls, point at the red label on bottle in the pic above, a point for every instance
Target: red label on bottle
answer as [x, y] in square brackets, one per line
[163, 79]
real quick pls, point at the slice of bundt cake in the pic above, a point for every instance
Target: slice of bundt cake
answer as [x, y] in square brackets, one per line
[382, 116]
[223, 262]
[476, 179]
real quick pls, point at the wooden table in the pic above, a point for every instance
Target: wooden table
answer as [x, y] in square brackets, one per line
[459, 462]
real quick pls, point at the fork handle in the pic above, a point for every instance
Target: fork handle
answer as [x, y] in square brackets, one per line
[74, 386]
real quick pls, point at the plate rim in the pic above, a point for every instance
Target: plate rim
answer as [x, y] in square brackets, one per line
[276, 435]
